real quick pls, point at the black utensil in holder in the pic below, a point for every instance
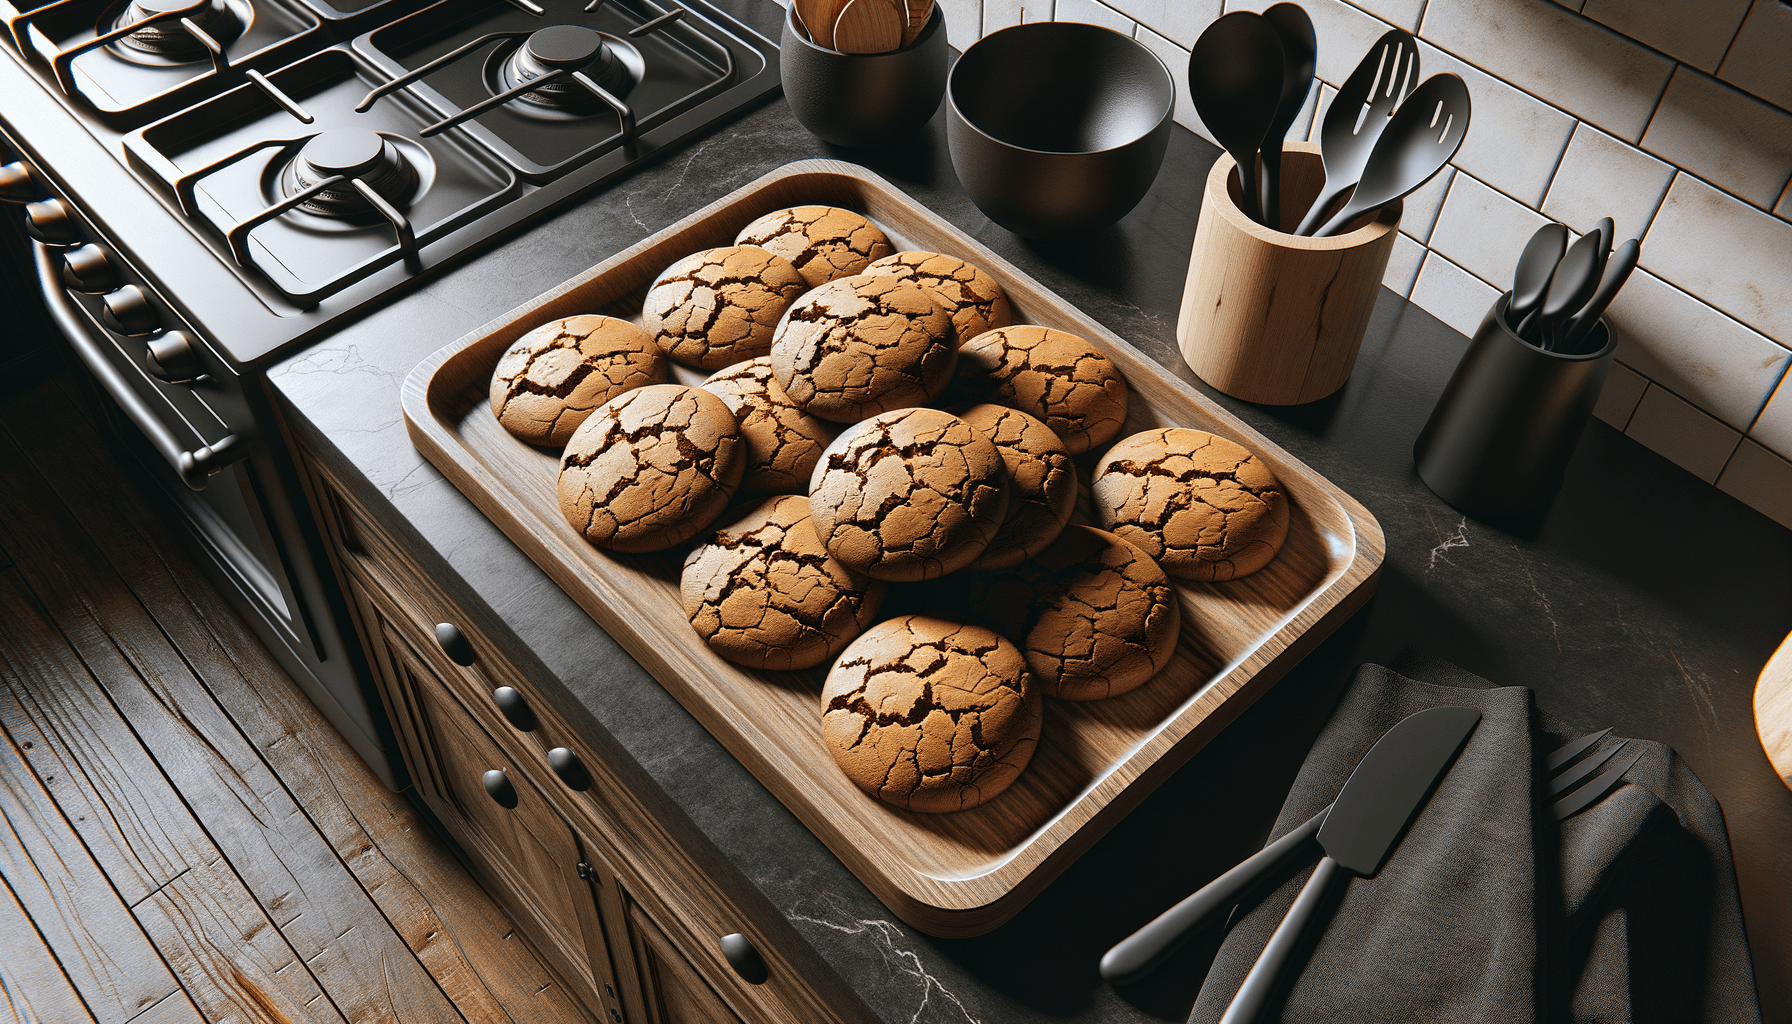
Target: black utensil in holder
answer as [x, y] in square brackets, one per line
[1506, 425]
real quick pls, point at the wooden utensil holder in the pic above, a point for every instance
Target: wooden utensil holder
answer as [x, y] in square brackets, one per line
[1272, 317]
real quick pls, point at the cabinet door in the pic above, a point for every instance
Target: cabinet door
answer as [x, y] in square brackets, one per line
[673, 990]
[529, 855]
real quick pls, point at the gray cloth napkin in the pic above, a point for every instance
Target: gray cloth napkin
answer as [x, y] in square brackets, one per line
[1488, 910]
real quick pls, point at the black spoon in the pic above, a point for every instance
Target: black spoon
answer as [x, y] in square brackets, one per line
[1536, 265]
[1300, 50]
[1419, 139]
[1235, 79]
[1617, 271]
[1576, 277]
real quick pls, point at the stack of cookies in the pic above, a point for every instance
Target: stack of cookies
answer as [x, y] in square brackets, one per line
[901, 444]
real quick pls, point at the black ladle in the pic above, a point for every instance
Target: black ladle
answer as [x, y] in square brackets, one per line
[1536, 265]
[1235, 78]
[1300, 51]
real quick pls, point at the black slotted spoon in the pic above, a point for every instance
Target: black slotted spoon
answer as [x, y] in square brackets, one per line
[1348, 134]
[1420, 138]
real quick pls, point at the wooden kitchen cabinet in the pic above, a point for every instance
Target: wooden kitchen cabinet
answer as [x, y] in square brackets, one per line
[603, 888]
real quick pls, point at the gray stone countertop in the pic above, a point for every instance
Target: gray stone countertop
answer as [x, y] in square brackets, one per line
[1641, 598]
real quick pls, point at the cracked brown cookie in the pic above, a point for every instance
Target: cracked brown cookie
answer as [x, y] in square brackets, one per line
[783, 441]
[859, 346]
[553, 377]
[1203, 506]
[1042, 486]
[909, 495]
[973, 298]
[823, 242]
[719, 306]
[1057, 376]
[1102, 617]
[930, 715]
[651, 468]
[764, 593]
[1095, 616]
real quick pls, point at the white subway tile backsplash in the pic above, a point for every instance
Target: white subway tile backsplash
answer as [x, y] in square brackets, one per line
[1422, 206]
[1575, 64]
[1514, 140]
[1758, 60]
[1697, 33]
[1730, 255]
[1001, 14]
[1399, 13]
[1730, 139]
[1603, 177]
[1483, 231]
[1323, 103]
[1762, 480]
[1703, 355]
[1623, 389]
[1403, 265]
[1452, 294]
[964, 21]
[1177, 58]
[1344, 33]
[1180, 21]
[1774, 426]
[1095, 13]
[1678, 430]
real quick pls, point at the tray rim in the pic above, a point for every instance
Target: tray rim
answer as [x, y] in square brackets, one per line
[946, 907]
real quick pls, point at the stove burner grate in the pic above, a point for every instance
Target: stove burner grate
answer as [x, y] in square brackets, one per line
[565, 48]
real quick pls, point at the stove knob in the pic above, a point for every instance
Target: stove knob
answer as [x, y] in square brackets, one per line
[172, 358]
[128, 312]
[17, 185]
[86, 269]
[47, 220]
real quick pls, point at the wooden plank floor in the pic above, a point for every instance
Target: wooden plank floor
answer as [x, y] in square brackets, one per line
[183, 838]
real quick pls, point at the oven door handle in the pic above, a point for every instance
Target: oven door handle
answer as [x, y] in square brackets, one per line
[195, 466]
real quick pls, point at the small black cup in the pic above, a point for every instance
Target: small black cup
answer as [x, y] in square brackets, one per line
[1058, 128]
[1507, 423]
[864, 99]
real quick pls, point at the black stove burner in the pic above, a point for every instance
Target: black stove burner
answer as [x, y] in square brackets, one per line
[350, 153]
[565, 48]
[168, 38]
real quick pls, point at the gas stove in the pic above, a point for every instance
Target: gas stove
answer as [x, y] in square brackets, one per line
[213, 183]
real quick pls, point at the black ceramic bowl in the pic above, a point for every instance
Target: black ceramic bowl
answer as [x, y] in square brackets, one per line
[1058, 127]
[864, 99]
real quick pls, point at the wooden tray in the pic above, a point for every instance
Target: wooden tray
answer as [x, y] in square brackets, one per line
[954, 874]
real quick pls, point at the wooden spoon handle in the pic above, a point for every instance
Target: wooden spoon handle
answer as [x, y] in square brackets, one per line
[868, 26]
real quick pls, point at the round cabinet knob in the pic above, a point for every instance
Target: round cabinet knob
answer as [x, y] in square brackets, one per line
[173, 358]
[85, 268]
[17, 185]
[48, 221]
[745, 959]
[498, 787]
[515, 708]
[571, 770]
[128, 312]
[454, 643]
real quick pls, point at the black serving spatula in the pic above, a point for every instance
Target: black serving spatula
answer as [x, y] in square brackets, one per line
[1300, 50]
[1358, 114]
[1387, 788]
